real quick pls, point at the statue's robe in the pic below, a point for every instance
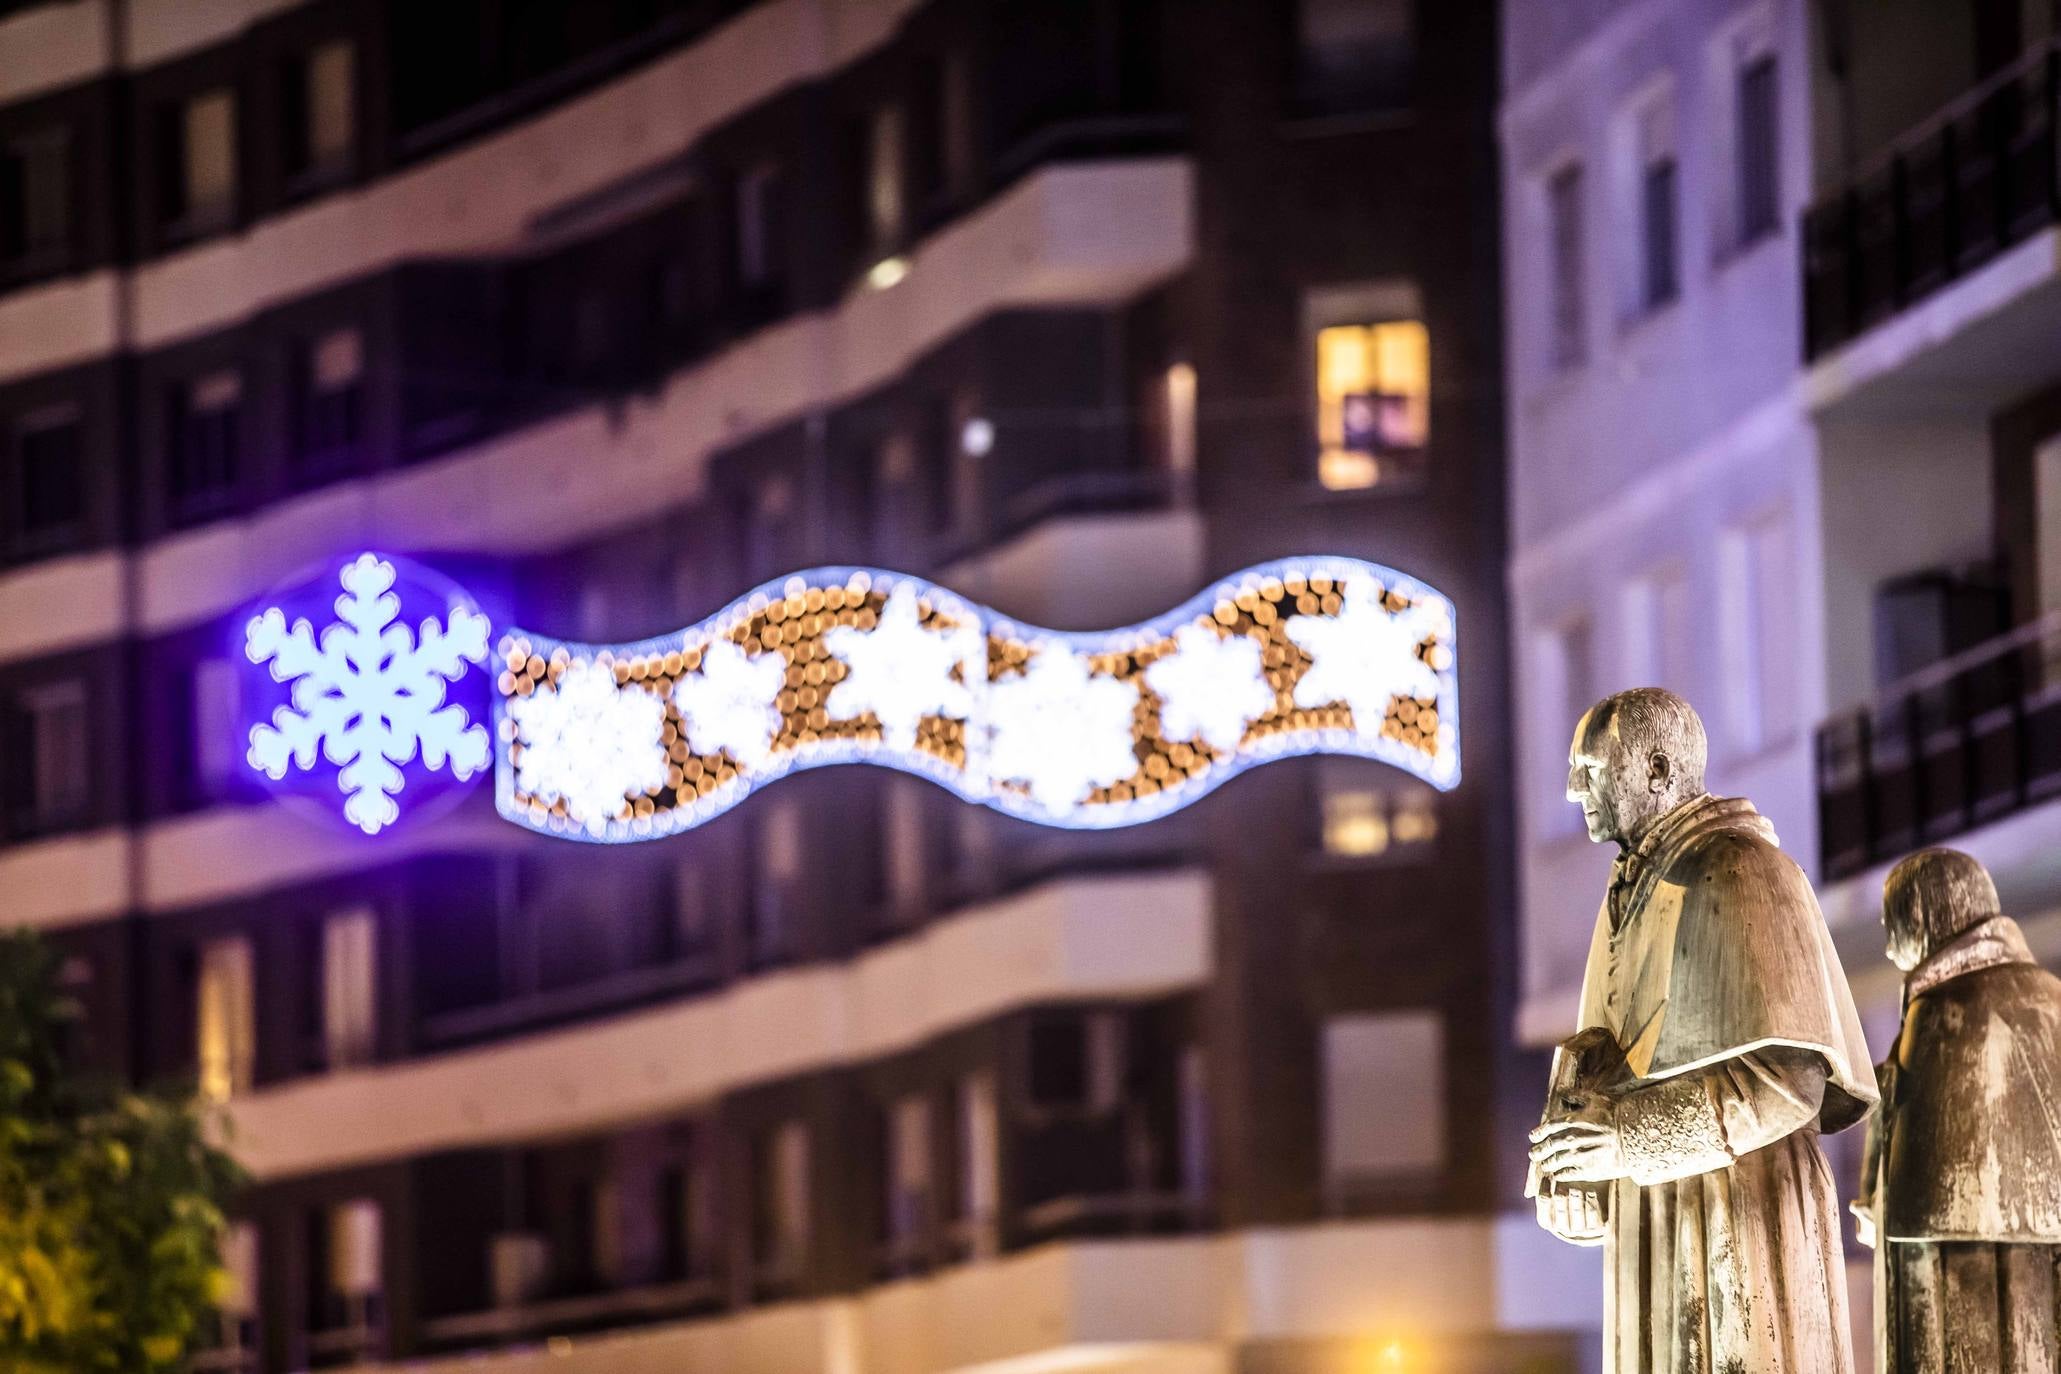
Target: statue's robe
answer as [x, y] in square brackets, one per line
[1712, 967]
[1963, 1168]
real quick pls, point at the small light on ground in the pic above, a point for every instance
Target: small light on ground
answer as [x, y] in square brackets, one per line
[887, 272]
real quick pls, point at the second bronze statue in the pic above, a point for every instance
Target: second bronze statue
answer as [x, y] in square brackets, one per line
[1961, 1190]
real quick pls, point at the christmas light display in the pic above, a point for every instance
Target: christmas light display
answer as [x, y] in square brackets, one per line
[860, 665]
[625, 742]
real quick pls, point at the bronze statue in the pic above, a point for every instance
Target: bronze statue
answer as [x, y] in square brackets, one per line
[1961, 1190]
[1718, 1039]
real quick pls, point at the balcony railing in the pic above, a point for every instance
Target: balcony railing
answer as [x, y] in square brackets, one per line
[581, 1001]
[1089, 491]
[1946, 197]
[526, 1322]
[1962, 743]
[1142, 1212]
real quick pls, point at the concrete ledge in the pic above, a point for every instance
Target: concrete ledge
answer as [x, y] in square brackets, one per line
[1117, 935]
[1075, 234]
[1968, 347]
[1177, 1306]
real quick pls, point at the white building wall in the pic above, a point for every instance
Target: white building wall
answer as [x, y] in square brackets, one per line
[1664, 489]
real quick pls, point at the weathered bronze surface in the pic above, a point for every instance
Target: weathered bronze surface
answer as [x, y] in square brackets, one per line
[1961, 1189]
[1718, 1039]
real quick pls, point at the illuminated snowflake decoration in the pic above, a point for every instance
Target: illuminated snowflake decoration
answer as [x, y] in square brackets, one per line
[1210, 688]
[901, 672]
[1061, 730]
[591, 742]
[1366, 656]
[730, 705]
[369, 695]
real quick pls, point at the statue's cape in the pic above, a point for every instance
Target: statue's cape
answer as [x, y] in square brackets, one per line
[1719, 949]
[1971, 1128]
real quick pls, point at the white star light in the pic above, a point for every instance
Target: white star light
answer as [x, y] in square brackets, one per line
[1061, 730]
[1364, 656]
[729, 705]
[1210, 688]
[901, 672]
[592, 742]
[371, 696]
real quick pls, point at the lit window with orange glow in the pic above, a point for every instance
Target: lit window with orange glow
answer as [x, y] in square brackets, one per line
[1373, 402]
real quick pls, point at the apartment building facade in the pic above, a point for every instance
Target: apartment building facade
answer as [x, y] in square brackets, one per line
[1664, 505]
[612, 311]
[1781, 349]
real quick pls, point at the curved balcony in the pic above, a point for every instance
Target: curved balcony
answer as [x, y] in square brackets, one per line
[1072, 938]
[1967, 742]
[1947, 199]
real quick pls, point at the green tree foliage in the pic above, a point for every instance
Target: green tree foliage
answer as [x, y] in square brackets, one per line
[110, 1201]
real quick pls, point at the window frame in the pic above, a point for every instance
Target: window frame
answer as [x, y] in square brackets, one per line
[1564, 186]
[1354, 1186]
[203, 436]
[1335, 84]
[1369, 305]
[53, 721]
[304, 167]
[1751, 39]
[178, 219]
[327, 420]
[51, 147]
[24, 540]
[1748, 190]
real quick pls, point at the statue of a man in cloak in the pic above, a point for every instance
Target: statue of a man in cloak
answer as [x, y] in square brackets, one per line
[1961, 1188]
[1718, 1040]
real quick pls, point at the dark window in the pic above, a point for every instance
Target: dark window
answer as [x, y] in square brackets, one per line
[770, 528]
[928, 117]
[908, 1202]
[35, 202]
[1759, 167]
[202, 439]
[1660, 280]
[690, 1239]
[594, 331]
[781, 1205]
[1564, 243]
[1059, 1061]
[326, 1306]
[1354, 54]
[776, 888]
[48, 481]
[886, 190]
[318, 111]
[49, 752]
[196, 164]
[444, 59]
[328, 402]
[168, 164]
[761, 228]
[582, 1263]
[691, 912]
[906, 503]
[1076, 1061]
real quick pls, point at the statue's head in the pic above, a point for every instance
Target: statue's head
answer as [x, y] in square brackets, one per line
[1930, 898]
[1636, 756]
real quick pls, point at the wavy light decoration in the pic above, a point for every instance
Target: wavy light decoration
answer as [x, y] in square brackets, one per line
[626, 742]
